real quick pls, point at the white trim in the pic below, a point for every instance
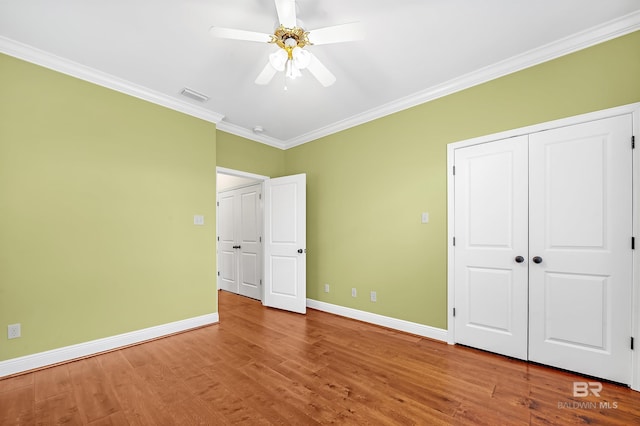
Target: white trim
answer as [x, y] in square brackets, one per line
[582, 40]
[393, 323]
[635, 325]
[74, 69]
[633, 109]
[81, 350]
[249, 134]
[239, 173]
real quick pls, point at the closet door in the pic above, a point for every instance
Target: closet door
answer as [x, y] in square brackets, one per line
[239, 245]
[227, 252]
[249, 245]
[491, 244]
[580, 248]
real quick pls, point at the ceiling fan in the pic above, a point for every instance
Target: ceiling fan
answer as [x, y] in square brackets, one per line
[291, 39]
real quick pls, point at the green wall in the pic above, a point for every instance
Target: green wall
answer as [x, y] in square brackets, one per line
[97, 196]
[367, 186]
[98, 192]
[237, 153]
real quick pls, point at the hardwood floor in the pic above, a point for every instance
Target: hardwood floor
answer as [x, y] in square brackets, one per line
[264, 366]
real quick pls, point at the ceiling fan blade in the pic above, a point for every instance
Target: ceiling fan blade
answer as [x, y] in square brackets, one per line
[337, 33]
[266, 75]
[286, 12]
[320, 72]
[234, 34]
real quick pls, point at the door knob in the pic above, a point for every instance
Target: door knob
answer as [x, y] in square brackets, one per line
[537, 259]
[519, 259]
[300, 251]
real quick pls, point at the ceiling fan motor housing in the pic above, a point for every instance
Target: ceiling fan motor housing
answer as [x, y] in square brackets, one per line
[290, 38]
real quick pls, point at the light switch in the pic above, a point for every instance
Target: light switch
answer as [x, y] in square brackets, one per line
[198, 219]
[425, 217]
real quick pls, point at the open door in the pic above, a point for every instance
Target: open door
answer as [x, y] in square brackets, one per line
[285, 267]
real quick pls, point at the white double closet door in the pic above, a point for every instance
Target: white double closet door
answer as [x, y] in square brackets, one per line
[543, 247]
[240, 246]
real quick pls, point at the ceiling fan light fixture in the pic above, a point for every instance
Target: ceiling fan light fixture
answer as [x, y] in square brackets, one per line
[301, 58]
[279, 59]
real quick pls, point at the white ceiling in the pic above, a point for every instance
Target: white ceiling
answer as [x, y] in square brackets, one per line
[414, 51]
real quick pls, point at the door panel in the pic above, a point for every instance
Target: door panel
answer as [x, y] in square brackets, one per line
[571, 323]
[249, 242]
[239, 246]
[581, 227]
[285, 243]
[491, 230]
[227, 235]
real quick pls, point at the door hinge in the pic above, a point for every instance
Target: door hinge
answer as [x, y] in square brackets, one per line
[633, 243]
[260, 282]
[633, 142]
[259, 196]
[454, 312]
[454, 241]
[218, 273]
[260, 239]
[218, 203]
[218, 238]
[454, 170]
[631, 343]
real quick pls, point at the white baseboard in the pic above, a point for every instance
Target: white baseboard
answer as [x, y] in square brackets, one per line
[394, 323]
[68, 353]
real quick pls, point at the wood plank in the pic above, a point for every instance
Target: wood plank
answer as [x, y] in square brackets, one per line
[93, 392]
[60, 409]
[51, 382]
[17, 406]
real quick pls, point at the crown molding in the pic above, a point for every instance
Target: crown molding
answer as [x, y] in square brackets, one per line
[74, 69]
[582, 40]
[248, 134]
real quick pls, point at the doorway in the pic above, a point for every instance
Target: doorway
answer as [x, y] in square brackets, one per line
[239, 240]
[261, 237]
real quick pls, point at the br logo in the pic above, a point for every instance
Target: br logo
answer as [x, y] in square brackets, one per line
[583, 389]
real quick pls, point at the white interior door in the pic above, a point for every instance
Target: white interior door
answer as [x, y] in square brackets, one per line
[581, 228]
[285, 243]
[491, 246]
[239, 245]
[227, 254]
[249, 245]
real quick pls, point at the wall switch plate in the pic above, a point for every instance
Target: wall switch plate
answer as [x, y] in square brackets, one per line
[374, 296]
[13, 331]
[425, 217]
[354, 293]
[326, 288]
[198, 219]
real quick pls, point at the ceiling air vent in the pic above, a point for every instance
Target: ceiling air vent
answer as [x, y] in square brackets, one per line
[194, 95]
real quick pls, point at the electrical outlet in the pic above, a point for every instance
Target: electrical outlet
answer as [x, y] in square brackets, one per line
[354, 293]
[374, 296]
[326, 288]
[13, 331]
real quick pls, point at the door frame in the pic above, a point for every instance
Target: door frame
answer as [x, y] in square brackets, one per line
[260, 179]
[634, 110]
